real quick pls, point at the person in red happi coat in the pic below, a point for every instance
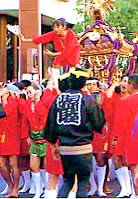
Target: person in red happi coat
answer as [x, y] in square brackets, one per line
[9, 140]
[99, 143]
[65, 43]
[129, 120]
[115, 96]
[35, 117]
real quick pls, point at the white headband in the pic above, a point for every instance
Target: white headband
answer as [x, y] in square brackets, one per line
[91, 81]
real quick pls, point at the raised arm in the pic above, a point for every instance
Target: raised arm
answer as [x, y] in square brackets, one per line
[110, 91]
[21, 37]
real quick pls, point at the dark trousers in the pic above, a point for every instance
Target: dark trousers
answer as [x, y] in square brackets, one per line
[76, 164]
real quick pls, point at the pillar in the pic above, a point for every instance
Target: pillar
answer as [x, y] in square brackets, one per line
[15, 55]
[30, 24]
[3, 49]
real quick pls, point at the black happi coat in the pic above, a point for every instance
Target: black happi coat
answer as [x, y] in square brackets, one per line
[72, 119]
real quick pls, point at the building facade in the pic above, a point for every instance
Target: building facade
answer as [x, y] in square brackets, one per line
[35, 17]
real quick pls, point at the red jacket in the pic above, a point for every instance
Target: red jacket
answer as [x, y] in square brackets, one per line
[69, 47]
[36, 120]
[129, 129]
[9, 129]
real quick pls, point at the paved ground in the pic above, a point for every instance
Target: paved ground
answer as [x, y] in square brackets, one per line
[113, 185]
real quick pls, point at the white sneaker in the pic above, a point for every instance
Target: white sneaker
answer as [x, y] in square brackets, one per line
[5, 191]
[92, 192]
[101, 193]
[72, 195]
[25, 188]
[122, 194]
[52, 194]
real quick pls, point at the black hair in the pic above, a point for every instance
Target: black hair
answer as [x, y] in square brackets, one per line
[63, 84]
[125, 75]
[134, 80]
[93, 78]
[117, 88]
[26, 82]
[20, 85]
[44, 83]
[22, 95]
[77, 83]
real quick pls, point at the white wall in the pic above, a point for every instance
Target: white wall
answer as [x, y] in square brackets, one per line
[58, 9]
[9, 4]
[51, 8]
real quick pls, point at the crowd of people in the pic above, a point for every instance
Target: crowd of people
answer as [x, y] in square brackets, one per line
[48, 136]
[62, 136]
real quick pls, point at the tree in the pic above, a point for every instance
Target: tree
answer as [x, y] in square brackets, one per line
[125, 15]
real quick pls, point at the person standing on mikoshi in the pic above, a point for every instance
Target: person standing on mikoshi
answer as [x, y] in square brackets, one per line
[9, 140]
[37, 108]
[71, 119]
[66, 45]
[129, 120]
[115, 97]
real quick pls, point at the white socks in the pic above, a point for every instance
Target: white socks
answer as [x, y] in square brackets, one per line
[6, 189]
[50, 194]
[94, 164]
[32, 188]
[112, 174]
[36, 182]
[100, 180]
[60, 182]
[72, 195]
[93, 186]
[26, 176]
[55, 76]
[44, 178]
[132, 185]
[121, 178]
[127, 181]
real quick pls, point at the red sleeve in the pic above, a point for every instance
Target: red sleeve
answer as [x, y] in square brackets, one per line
[109, 108]
[85, 92]
[25, 128]
[21, 105]
[40, 109]
[48, 97]
[45, 38]
[70, 43]
[10, 106]
[54, 92]
[119, 128]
